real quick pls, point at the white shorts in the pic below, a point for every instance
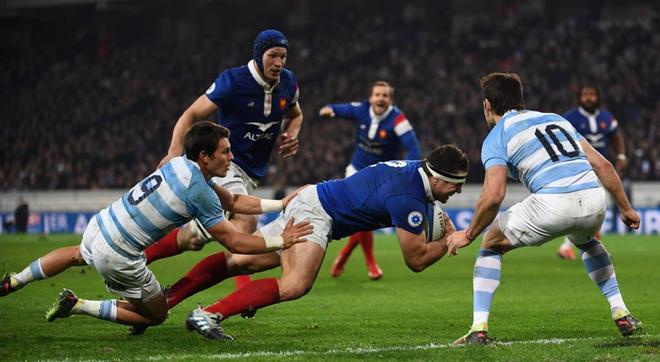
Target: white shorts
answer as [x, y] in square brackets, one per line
[542, 217]
[124, 275]
[237, 181]
[350, 170]
[305, 206]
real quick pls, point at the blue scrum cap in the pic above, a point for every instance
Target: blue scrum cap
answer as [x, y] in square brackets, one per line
[267, 39]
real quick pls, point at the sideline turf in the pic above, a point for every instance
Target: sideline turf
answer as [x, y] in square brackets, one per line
[545, 307]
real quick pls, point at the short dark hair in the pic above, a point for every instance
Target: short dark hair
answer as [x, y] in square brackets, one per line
[504, 91]
[585, 85]
[449, 160]
[381, 83]
[203, 136]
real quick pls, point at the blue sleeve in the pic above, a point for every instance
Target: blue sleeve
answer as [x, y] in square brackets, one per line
[220, 89]
[407, 212]
[411, 143]
[345, 110]
[493, 151]
[204, 204]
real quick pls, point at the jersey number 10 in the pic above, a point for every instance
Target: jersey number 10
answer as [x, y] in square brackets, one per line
[549, 131]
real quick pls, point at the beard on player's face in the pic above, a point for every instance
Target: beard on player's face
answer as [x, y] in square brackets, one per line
[590, 105]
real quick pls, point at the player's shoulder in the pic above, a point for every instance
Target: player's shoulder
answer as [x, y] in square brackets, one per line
[287, 78]
[236, 73]
[606, 115]
[397, 114]
[399, 174]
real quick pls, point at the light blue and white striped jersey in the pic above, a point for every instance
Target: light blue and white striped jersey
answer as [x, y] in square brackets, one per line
[166, 199]
[540, 149]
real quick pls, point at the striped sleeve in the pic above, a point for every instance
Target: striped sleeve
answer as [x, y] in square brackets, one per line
[401, 125]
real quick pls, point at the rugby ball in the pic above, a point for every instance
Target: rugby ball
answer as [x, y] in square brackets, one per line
[435, 221]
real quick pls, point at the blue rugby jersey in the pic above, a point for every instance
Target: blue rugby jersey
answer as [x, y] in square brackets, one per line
[378, 138]
[164, 200]
[392, 193]
[597, 128]
[540, 149]
[252, 110]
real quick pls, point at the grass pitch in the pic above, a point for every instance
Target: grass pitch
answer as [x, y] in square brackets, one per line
[545, 309]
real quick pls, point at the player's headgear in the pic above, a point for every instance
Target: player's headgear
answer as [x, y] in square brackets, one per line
[448, 163]
[267, 39]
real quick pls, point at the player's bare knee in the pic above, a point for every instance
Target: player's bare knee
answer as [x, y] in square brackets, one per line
[186, 240]
[196, 244]
[294, 290]
[77, 257]
[158, 320]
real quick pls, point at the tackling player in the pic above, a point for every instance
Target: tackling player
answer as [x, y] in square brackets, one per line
[116, 237]
[382, 129]
[255, 101]
[564, 175]
[601, 130]
[393, 193]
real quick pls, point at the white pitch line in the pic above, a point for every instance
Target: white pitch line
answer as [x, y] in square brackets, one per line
[365, 350]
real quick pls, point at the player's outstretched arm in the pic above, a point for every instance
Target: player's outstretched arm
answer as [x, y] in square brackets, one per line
[612, 183]
[488, 205]
[326, 112]
[201, 108]
[250, 205]
[420, 254]
[239, 243]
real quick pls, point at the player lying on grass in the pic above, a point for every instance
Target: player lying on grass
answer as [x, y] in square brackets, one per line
[564, 175]
[116, 237]
[393, 193]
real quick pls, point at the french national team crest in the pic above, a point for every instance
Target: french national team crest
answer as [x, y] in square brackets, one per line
[415, 219]
[283, 103]
[382, 134]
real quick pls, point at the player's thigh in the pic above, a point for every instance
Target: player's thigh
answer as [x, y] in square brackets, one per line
[534, 221]
[300, 267]
[248, 264]
[590, 220]
[245, 223]
[494, 239]
[124, 275]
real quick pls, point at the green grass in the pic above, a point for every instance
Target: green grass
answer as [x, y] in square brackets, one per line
[403, 316]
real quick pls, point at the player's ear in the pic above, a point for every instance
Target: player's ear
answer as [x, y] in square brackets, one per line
[487, 105]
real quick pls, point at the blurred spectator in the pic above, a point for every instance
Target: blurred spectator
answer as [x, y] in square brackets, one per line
[92, 105]
[21, 215]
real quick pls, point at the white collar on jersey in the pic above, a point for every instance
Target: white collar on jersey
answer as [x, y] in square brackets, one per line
[382, 116]
[587, 114]
[427, 184]
[252, 66]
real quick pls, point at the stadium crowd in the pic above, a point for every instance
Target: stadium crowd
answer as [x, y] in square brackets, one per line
[97, 111]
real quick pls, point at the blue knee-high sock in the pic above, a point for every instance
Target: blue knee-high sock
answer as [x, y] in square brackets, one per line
[599, 266]
[486, 279]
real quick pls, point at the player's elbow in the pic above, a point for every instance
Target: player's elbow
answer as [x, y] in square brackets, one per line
[415, 265]
[602, 166]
